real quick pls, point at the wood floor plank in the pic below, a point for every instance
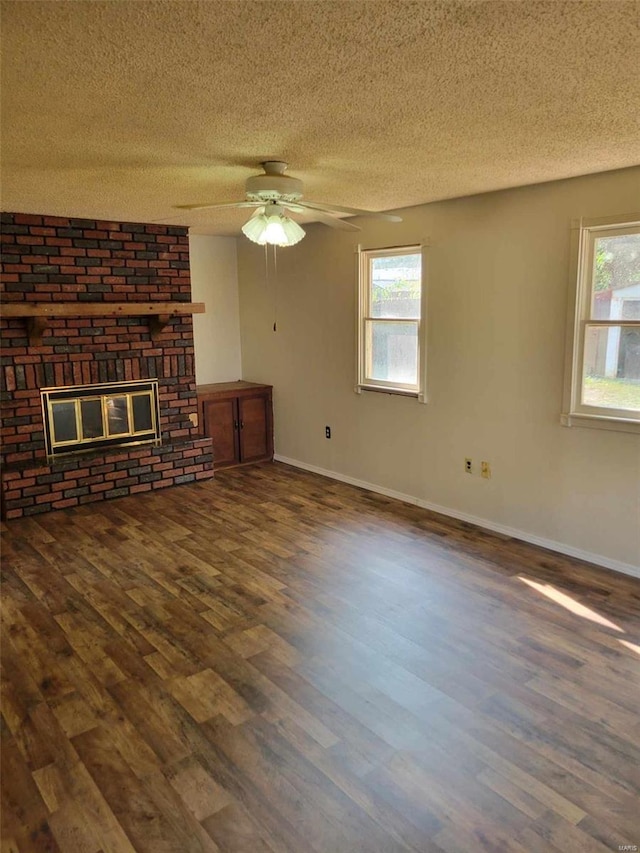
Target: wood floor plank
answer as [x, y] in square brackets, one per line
[200, 793]
[274, 662]
[410, 828]
[25, 818]
[289, 780]
[150, 827]
[235, 832]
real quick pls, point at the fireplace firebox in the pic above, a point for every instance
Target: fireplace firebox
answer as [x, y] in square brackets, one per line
[89, 417]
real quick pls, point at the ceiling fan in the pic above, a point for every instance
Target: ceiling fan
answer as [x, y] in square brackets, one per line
[272, 195]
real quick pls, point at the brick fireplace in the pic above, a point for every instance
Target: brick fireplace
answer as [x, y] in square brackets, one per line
[89, 302]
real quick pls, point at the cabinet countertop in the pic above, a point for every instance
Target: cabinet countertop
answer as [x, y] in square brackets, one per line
[225, 387]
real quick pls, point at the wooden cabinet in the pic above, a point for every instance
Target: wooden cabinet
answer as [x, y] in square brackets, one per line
[238, 416]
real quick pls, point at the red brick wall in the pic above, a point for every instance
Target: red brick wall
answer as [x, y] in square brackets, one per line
[53, 259]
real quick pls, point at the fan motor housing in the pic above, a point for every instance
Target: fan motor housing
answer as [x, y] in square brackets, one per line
[273, 187]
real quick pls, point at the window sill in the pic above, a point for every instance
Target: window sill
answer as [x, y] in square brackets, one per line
[600, 422]
[385, 389]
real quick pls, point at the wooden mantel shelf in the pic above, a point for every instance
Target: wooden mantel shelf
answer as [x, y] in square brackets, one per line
[37, 314]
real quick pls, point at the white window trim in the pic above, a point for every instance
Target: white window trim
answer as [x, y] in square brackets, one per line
[575, 413]
[362, 277]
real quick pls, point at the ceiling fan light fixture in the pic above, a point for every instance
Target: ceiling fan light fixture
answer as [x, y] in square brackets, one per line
[255, 227]
[292, 231]
[274, 232]
[273, 228]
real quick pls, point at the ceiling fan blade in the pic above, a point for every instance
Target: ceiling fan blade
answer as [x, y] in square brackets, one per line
[218, 206]
[316, 205]
[332, 221]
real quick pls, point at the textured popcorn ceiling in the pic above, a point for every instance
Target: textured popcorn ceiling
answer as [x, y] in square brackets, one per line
[123, 109]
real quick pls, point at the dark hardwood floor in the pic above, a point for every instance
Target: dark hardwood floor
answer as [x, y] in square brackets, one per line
[274, 662]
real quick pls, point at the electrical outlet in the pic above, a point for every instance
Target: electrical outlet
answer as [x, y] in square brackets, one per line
[468, 466]
[327, 432]
[485, 470]
[193, 417]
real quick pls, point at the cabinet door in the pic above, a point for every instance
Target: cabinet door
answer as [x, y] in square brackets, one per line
[254, 428]
[220, 423]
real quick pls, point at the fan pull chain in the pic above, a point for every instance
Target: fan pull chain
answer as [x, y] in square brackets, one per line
[266, 267]
[275, 288]
[275, 282]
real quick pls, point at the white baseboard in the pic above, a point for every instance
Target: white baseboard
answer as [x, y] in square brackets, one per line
[514, 533]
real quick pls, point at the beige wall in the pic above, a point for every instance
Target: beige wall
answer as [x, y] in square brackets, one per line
[214, 281]
[498, 283]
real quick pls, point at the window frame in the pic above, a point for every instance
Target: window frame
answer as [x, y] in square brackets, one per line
[575, 412]
[364, 317]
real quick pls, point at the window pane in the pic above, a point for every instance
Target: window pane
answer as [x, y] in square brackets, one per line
[392, 352]
[631, 309]
[395, 286]
[142, 420]
[91, 418]
[64, 421]
[616, 277]
[611, 367]
[117, 415]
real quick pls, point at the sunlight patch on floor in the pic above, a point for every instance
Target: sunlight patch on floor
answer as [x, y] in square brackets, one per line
[570, 604]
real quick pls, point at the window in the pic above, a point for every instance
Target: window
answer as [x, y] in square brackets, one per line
[603, 372]
[391, 321]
